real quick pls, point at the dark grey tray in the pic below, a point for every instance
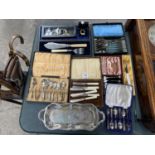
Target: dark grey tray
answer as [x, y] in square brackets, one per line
[29, 121]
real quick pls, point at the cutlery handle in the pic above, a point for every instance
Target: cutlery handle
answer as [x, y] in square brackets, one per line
[82, 94]
[83, 99]
[86, 83]
[61, 50]
[77, 100]
[78, 45]
[128, 78]
[85, 88]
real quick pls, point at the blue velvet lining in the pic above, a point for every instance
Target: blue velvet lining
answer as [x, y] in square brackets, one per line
[115, 30]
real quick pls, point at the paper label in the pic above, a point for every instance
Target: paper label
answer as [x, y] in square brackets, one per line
[84, 75]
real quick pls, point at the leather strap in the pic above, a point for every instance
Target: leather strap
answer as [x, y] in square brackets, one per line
[13, 101]
[9, 85]
[21, 55]
[8, 94]
[12, 93]
[10, 66]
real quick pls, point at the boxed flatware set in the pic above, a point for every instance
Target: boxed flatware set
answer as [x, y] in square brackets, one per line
[81, 80]
[69, 69]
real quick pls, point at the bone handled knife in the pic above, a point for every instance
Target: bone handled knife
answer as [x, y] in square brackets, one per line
[89, 93]
[75, 88]
[82, 99]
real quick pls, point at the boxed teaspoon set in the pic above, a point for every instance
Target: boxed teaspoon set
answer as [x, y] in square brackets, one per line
[85, 72]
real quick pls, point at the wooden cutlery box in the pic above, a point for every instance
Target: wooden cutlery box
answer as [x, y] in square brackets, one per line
[87, 71]
[142, 37]
[109, 39]
[67, 34]
[50, 78]
[50, 69]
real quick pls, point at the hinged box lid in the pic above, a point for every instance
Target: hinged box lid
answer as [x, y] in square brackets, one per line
[49, 64]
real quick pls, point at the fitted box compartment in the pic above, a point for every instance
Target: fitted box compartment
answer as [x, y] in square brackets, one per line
[99, 102]
[48, 72]
[111, 65]
[51, 93]
[87, 70]
[75, 38]
[118, 103]
[87, 50]
[120, 67]
[108, 38]
[73, 29]
[49, 64]
[53, 31]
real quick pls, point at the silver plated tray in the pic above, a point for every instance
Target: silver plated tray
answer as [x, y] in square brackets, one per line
[71, 116]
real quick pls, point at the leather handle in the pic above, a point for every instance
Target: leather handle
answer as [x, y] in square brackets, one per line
[16, 52]
[14, 37]
[78, 45]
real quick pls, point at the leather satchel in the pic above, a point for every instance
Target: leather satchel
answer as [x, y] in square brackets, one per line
[12, 78]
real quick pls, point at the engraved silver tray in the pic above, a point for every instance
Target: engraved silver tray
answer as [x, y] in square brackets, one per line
[71, 116]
